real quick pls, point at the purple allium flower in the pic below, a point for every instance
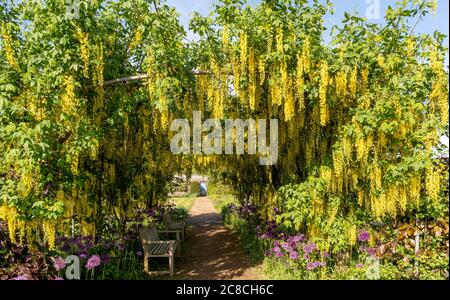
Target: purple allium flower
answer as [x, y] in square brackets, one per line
[139, 253]
[298, 238]
[21, 277]
[59, 263]
[311, 265]
[372, 251]
[306, 256]
[308, 248]
[83, 254]
[276, 249]
[293, 255]
[120, 247]
[277, 243]
[267, 253]
[287, 247]
[278, 254]
[321, 264]
[66, 247]
[364, 236]
[359, 266]
[105, 259]
[276, 210]
[58, 278]
[93, 262]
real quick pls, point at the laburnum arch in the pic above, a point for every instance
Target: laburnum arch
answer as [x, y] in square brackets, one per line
[359, 119]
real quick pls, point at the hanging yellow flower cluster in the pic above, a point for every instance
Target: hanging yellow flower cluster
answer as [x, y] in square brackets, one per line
[252, 79]
[49, 229]
[136, 39]
[83, 39]
[353, 82]
[7, 47]
[98, 79]
[439, 92]
[341, 84]
[300, 83]
[324, 114]
[225, 38]
[261, 70]
[9, 214]
[68, 98]
[243, 38]
[306, 55]
[432, 184]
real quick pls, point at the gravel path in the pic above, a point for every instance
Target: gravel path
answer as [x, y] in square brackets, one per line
[210, 251]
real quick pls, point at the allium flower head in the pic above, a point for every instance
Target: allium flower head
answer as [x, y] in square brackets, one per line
[372, 251]
[308, 248]
[21, 277]
[311, 265]
[364, 236]
[293, 255]
[93, 262]
[298, 238]
[359, 266]
[59, 263]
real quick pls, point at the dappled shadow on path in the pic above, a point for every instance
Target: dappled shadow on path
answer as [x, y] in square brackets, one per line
[210, 251]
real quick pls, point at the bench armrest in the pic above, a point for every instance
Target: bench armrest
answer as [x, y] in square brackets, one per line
[169, 231]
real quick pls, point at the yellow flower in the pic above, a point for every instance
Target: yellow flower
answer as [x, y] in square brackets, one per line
[300, 83]
[341, 84]
[7, 47]
[353, 82]
[280, 40]
[83, 39]
[136, 39]
[324, 117]
[261, 70]
[244, 52]
[252, 79]
[306, 55]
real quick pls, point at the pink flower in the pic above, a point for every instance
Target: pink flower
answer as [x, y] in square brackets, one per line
[59, 263]
[364, 236]
[293, 255]
[309, 248]
[93, 262]
[359, 266]
[21, 277]
[372, 251]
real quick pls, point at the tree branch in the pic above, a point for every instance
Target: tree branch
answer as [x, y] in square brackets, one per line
[127, 80]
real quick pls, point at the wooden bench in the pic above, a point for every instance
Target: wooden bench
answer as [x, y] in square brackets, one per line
[154, 247]
[174, 226]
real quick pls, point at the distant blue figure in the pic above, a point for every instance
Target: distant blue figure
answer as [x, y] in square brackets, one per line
[203, 188]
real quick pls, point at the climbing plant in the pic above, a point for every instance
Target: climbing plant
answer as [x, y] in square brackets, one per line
[360, 119]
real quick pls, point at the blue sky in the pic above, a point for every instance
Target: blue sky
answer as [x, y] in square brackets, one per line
[428, 25]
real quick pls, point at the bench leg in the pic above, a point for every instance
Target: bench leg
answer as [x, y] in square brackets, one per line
[171, 265]
[182, 235]
[179, 244]
[146, 263]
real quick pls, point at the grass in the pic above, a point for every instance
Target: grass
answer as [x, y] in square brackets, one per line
[220, 196]
[185, 202]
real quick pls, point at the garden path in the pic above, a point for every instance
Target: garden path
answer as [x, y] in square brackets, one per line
[211, 251]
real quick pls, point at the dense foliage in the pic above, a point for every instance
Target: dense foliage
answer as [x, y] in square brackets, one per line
[360, 119]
